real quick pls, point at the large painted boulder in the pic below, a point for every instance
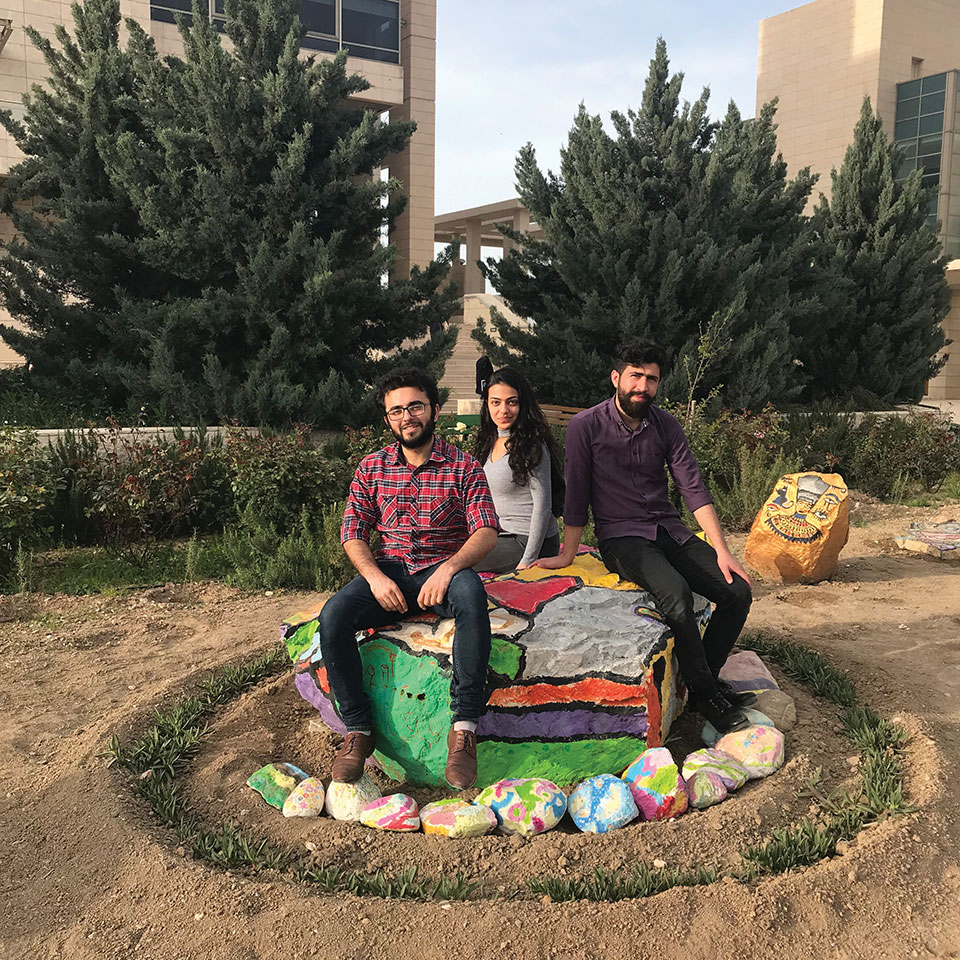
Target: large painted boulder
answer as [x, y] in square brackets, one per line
[601, 804]
[799, 532]
[524, 806]
[656, 784]
[582, 678]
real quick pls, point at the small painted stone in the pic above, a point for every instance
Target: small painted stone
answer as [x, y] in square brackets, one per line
[656, 784]
[396, 812]
[732, 773]
[705, 788]
[525, 806]
[601, 804]
[711, 735]
[779, 707]
[346, 800]
[306, 799]
[275, 782]
[457, 818]
[758, 749]
[746, 671]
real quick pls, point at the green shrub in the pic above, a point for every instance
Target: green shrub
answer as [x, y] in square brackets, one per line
[27, 490]
[277, 479]
[308, 557]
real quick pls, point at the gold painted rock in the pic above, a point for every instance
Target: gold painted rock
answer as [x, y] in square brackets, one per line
[799, 532]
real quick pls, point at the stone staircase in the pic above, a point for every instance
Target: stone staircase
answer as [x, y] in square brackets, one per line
[460, 376]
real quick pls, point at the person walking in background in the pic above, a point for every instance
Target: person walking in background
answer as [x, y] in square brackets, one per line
[517, 449]
[615, 458]
[432, 506]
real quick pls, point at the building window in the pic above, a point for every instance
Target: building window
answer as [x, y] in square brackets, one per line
[369, 29]
[918, 132]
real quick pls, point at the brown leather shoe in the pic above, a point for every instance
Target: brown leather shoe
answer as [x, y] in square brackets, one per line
[348, 763]
[461, 771]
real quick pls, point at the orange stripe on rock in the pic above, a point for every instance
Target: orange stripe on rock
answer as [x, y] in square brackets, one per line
[593, 690]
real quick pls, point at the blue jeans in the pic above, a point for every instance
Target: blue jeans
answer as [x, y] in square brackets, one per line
[354, 608]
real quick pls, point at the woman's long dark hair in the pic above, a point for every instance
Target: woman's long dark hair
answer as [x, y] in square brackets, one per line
[530, 431]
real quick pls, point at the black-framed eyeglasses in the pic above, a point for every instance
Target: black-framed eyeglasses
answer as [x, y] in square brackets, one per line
[415, 409]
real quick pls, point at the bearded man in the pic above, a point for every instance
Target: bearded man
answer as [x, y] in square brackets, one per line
[616, 453]
[432, 506]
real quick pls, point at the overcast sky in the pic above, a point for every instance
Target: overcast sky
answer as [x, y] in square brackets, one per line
[509, 71]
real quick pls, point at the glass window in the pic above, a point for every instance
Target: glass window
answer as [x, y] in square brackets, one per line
[319, 43]
[905, 129]
[372, 53]
[218, 7]
[935, 83]
[319, 16]
[906, 168]
[907, 90]
[930, 180]
[930, 164]
[932, 102]
[373, 23]
[908, 149]
[930, 144]
[908, 108]
[931, 124]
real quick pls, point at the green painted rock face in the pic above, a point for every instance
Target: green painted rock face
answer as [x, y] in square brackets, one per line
[581, 679]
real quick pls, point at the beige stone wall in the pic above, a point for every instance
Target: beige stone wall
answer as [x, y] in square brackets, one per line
[946, 385]
[820, 60]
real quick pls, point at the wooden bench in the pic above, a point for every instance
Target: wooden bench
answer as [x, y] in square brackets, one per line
[559, 415]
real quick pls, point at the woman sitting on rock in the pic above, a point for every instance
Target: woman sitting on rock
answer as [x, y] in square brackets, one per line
[516, 449]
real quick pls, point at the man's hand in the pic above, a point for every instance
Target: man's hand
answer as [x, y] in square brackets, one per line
[729, 565]
[434, 588]
[551, 563]
[388, 594]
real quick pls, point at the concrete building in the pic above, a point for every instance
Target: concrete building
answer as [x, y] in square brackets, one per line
[820, 60]
[391, 42]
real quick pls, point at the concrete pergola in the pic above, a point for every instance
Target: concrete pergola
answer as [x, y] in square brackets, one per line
[476, 228]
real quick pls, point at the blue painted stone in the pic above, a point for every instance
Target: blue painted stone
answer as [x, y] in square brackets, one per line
[601, 804]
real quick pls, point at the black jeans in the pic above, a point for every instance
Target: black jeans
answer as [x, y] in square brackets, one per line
[671, 572]
[354, 608]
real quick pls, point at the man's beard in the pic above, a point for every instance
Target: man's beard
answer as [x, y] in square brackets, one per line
[635, 407]
[416, 440]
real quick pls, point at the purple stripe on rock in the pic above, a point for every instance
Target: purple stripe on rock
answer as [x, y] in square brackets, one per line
[308, 689]
[558, 724]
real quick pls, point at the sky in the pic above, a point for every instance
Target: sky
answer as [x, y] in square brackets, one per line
[513, 71]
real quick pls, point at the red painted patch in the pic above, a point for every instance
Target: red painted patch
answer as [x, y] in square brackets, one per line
[595, 691]
[322, 680]
[528, 597]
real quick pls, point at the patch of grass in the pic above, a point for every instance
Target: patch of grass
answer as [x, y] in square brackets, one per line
[608, 885]
[406, 885]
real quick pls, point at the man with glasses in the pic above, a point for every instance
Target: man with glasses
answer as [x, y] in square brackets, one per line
[432, 506]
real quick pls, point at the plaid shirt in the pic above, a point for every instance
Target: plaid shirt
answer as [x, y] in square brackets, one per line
[424, 514]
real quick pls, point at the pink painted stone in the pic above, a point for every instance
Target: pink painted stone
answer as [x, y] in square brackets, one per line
[396, 812]
[758, 749]
[457, 818]
[656, 784]
[705, 788]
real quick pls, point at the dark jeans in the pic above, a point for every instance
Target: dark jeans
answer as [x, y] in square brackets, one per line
[354, 608]
[671, 572]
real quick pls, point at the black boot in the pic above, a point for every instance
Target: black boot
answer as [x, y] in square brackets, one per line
[720, 712]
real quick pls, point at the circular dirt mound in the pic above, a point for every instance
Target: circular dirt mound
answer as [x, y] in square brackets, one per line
[271, 723]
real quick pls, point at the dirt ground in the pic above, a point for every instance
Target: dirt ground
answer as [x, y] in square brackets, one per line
[85, 872]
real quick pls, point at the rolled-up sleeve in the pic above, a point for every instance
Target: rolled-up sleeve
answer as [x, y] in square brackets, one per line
[477, 500]
[360, 516]
[684, 468]
[577, 474]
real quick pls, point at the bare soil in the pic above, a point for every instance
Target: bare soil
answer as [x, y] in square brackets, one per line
[85, 872]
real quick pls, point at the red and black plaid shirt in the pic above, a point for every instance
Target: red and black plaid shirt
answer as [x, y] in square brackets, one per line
[424, 514]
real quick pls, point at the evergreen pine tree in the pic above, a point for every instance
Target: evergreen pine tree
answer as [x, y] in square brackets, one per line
[672, 224]
[880, 344]
[231, 223]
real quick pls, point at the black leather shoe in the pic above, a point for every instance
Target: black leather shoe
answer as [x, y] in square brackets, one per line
[720, 712]
[744, 699]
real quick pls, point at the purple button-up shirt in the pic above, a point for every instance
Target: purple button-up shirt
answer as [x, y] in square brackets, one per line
[619, 472]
